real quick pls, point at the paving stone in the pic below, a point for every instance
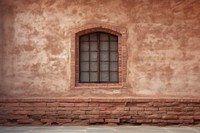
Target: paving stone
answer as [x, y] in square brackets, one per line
[98, 130]
[127, 129]
[197, 129]
[181, 130]
[152, 129]
[66, 131]
[13, 131]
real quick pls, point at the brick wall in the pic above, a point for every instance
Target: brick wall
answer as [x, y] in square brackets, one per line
[100, 111]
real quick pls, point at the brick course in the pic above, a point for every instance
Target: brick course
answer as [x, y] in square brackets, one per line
[75, 111]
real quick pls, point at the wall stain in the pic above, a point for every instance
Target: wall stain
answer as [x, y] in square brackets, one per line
[163, 46]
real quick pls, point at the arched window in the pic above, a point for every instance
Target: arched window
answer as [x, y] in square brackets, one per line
[98, 58]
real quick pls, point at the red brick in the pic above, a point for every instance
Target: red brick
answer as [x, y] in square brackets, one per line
[47, 120]
[67, 108]
[143, 120]
[186, 117]
[151, 109]
[169, 117]
[112, 120]
[133, 112]
[93, 112]
[122, 108]
[197, 117]
[94, 104]
[96, 120]
[52, 104]
[86, 108]
[78, 112]
[50, 112]
[64, 112]
[188, 108]
[136, 108]
[173, 121]
[64, 120]
[66, 104]
[158, 120]
[81, 104]
[22, 112]
[88, 116]
[25, 121]
[154, 116]
[11, 104]
[173, 113]
[39, 104]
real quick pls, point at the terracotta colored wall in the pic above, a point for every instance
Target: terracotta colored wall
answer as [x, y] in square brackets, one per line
[163, 43]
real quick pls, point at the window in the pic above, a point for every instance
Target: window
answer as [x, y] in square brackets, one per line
[98, 58]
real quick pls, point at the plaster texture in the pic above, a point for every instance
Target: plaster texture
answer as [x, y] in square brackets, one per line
[163, 46]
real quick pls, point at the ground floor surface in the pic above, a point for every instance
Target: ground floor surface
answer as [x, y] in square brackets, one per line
[99, 129]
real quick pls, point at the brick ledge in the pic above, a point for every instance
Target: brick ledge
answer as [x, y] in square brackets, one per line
[118, 100]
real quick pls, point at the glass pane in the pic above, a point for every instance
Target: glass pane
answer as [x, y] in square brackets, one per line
[113, 66]
[104, 46]
[84, 46]
[113, 56]
[104, 56]
[84, 38]
[93, 46]
[84, 56]
[84, 66]
[104, 37]
[113, 38]
[113, 46]
[113, 76]
[93, 56]
[93, 66]
[104, 66]
[104, 76]
[93, 37]
[93, 77]
[84, 77]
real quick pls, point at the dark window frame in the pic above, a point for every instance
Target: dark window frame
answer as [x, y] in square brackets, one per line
[99, 61]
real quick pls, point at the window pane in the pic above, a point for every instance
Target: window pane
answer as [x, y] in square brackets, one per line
[104, 76]
[113, 66]
[104, 56]
[113, 38]
[114, 76]
[93, 77]
[93, 66]
[93, 46]
[93, 37]
[84, 66]
[104, 37]
[84, 46]
[93, 56]
[84, 56]
[84, 38]
[84, 77]
[104, 66]
[113, 46]
[113, 56]
[104, 46]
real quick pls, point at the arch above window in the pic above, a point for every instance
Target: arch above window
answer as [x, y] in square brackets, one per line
[98, 57]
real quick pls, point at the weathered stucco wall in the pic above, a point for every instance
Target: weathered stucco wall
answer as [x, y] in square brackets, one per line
[163, 46]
